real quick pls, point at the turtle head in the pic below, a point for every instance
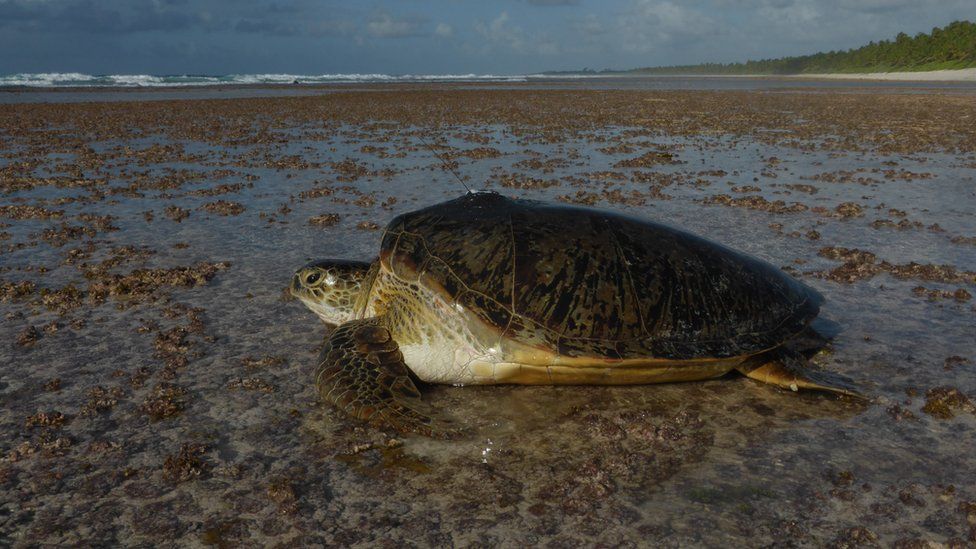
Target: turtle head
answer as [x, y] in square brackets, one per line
[331, 287]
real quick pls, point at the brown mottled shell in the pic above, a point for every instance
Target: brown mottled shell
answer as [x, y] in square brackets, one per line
[583, 282]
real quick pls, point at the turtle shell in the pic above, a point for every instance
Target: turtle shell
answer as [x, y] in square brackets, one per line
[583, 282]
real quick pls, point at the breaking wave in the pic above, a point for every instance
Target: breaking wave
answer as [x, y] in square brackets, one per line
[75, 79]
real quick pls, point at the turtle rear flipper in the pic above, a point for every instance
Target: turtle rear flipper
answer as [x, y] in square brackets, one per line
[790, 370]
[361, 372]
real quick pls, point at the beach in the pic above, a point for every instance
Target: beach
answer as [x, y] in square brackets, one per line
[157, 379]
[958, 75]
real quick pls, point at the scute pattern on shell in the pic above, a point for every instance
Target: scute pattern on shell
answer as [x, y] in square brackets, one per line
[586, 282]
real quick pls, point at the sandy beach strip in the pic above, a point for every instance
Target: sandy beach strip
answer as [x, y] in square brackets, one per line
[960, 75]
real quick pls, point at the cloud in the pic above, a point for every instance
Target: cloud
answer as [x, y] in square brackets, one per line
[267, 26]
[590, 25]
[650, 24]
[105, 35]
[444, 30]
[500, 34]
[383, 25]
[879, 6]
[553, 2]
[98, 17]
[797, 16]
[330, 27]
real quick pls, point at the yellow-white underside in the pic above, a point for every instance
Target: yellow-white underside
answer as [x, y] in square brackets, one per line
[443, 343]
[593, 374]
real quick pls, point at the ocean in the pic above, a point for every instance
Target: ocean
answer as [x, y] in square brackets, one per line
[76, 79]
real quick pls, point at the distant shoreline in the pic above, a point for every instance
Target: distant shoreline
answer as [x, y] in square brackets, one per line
[962, 81]
[955, 75]
[944, 76]
[944, 55]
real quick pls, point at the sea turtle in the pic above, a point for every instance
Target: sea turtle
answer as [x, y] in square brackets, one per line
[487, 289]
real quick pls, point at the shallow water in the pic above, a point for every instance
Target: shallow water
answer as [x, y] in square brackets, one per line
[645, 83]
[728, 461]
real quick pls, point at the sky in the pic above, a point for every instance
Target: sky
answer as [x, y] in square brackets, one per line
[438, 36]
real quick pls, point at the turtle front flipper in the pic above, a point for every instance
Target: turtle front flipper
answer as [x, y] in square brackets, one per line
[361, 372]
[790, 370]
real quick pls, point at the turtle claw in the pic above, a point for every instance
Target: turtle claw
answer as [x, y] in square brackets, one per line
[425, 426]
[415, 418]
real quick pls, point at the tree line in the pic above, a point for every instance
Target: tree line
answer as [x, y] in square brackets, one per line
[949, 47]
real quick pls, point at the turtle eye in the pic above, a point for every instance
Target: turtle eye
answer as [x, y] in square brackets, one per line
[312, 278]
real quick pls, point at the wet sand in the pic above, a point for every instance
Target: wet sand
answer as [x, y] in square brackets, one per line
[157, 382]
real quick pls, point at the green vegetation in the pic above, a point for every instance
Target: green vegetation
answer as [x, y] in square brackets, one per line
[950, 47]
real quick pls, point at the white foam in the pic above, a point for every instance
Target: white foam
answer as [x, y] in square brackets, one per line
[71, 79]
